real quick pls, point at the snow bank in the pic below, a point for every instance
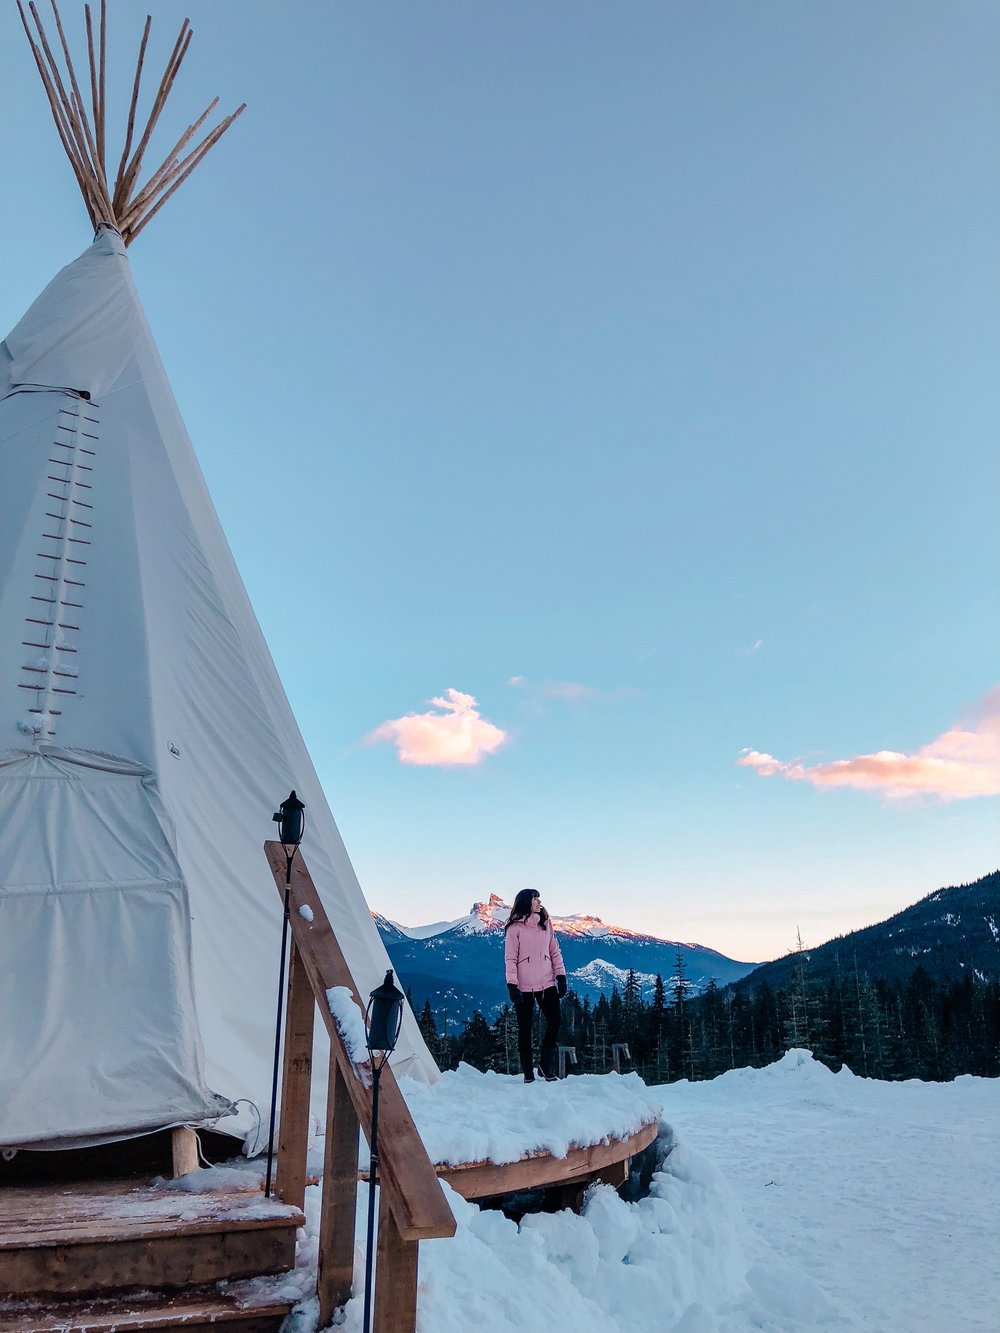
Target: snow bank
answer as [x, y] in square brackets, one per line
[885, 1193]
[786, 1200]
[673, 1263]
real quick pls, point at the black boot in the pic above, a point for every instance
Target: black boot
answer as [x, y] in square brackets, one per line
[546, 1067]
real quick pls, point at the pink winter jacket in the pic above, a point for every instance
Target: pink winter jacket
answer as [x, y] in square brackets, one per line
[532, 956]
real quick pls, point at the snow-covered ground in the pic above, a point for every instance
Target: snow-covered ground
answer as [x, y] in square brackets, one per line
[787, 1199]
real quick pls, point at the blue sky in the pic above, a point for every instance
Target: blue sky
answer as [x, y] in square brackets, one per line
[631, 369]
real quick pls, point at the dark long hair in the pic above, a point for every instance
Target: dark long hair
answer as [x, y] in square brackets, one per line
[521, 911]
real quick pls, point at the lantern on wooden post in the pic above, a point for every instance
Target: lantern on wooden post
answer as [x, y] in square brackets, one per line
[383, 1019]
[291, 821]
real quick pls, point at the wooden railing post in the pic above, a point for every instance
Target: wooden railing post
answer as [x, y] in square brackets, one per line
[395, 1276]
[340, 1193]
[293, 1129]
[414, 1206]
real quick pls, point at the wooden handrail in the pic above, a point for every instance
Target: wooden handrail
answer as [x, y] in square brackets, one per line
[410, 1184]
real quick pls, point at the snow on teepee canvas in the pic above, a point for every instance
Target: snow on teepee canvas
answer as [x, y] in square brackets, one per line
[146, 737]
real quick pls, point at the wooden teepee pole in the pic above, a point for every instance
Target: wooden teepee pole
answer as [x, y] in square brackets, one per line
[195, 157]
[82, 124]
[97, 82]
[131, 112]
[81, 113]
[166, 83]
[101, 142]
[69, 117]
[168, 167]
[58, 116]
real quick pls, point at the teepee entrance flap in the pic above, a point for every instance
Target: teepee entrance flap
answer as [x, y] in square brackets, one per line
[100, 1035]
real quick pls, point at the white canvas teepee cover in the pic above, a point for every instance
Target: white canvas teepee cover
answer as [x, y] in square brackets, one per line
[144, 741]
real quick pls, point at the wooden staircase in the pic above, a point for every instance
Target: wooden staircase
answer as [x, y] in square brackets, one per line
[113, 1255]
[118, 1257]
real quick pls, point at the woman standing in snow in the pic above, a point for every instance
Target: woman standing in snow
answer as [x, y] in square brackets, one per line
[535, 971]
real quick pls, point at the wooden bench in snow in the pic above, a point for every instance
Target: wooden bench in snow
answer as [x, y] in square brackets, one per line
[489, 1134]
[607, 1163]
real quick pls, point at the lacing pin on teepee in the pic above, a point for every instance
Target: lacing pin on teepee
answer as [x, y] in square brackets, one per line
[123, 206]
[61, 578]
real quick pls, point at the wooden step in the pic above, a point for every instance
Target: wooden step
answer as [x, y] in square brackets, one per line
[109, 1235]
[240, 1307]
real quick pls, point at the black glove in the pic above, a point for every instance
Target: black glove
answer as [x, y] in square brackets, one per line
[514, 993]
[561, 985]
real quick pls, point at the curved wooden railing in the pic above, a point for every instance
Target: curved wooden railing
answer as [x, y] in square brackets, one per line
[417, 1209]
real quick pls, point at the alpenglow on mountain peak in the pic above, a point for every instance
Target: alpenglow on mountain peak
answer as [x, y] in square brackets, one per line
[491, 916]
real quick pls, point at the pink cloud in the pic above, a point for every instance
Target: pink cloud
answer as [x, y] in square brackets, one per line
[963, 761]
[456, 734]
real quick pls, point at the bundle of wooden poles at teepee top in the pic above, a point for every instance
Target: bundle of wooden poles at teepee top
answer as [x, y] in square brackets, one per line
[126, 206]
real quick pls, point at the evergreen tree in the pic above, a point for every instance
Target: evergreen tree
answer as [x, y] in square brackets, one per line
[476, 1044]
[681, 1048]
[505, 1041]
[427, 1026]
[658, 1062]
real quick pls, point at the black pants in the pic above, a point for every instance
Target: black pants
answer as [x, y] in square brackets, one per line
[548, 1003]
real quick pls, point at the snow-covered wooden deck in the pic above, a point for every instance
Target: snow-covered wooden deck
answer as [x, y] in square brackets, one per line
[113, 1254]
[492, 1134]
[605, 1162]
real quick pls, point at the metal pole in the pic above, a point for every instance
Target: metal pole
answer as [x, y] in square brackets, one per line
[372, 1172]
[277, 1026]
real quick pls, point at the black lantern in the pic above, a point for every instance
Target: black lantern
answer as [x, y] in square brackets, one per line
[384, 1017]
[291, 821]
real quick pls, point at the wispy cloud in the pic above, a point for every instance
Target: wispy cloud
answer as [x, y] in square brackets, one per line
[753, 649]
[455, 734]
[569, 690]
[963, 761]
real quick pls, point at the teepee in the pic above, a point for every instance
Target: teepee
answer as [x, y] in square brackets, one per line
[146, 737]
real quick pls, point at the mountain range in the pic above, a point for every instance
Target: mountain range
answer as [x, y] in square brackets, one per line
[458, 965]
[951, 932]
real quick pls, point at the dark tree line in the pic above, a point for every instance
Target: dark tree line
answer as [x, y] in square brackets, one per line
[913, 1028]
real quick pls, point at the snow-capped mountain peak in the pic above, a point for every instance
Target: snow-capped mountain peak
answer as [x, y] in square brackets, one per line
[600, 975]
[485, 918]
[581, 925]
[490, 917]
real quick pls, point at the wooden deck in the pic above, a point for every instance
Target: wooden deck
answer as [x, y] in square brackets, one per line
[242, 1308]
[93, 1256]
[36, 1216]
[117, 1256]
